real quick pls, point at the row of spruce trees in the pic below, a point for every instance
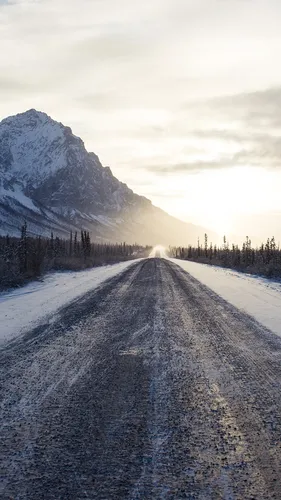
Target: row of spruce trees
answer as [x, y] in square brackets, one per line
[264, 260]
[28, 257]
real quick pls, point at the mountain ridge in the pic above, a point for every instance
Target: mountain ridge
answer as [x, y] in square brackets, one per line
[49, 178]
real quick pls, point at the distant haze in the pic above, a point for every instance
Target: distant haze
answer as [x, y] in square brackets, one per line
[181, 98]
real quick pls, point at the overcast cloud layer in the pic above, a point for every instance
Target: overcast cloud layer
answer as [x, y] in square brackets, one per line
[164, 91]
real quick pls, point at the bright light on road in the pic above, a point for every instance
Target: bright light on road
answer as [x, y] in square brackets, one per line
[158, 251]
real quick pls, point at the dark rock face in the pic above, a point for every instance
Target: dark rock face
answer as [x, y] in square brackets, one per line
[48, 178]
[6, 157]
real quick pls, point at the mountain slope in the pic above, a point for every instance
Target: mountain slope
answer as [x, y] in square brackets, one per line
[48, 178]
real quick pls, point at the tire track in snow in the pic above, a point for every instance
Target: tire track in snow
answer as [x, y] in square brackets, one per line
[150, 387]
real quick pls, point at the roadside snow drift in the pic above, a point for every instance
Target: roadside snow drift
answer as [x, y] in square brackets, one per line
[23, 308]
[259, 297]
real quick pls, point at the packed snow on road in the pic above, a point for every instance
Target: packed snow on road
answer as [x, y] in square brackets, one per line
[150, 386]
[23, 308]
[257, 296]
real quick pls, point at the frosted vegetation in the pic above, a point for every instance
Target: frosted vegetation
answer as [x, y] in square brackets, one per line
[26, 258]
[264, 260]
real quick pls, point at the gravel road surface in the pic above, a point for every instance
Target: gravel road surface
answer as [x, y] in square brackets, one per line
[149, 387]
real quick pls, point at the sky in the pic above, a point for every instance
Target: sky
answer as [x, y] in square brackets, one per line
[181, 98]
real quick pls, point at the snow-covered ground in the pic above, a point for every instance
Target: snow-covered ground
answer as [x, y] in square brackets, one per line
[23, 308]
[259, 297]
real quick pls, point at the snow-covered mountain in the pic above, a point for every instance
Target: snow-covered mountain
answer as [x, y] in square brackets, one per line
[49, 179]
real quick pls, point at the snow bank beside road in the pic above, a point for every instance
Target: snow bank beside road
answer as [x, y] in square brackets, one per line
[23, 308]
[259, 297]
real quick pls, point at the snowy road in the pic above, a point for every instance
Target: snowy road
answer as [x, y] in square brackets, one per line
[260, 297]
[23, 308]
[149, 387]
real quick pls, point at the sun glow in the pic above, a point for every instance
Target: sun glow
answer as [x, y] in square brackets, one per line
[231, 193]
[158, 251]
[219, 199]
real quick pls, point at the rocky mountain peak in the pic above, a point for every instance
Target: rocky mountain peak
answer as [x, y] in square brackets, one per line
[30, 118]
[48, 178]
[51, 165]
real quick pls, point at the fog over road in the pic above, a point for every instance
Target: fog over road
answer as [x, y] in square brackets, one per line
[149, 387]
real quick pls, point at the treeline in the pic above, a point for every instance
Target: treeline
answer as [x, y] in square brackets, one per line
[28, 257]
[264, 260]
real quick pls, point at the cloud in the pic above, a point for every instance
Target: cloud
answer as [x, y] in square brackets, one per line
[120, 74]
[187, 167]
[261, 98]
[230, 131]
[14, 86]
[107, 47]
[255, 109]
